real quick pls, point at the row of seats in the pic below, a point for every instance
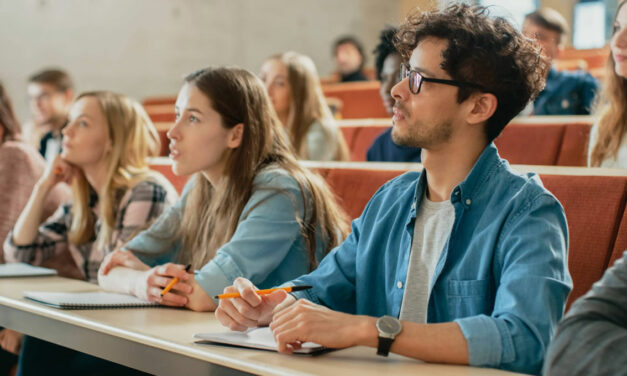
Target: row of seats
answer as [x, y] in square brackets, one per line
[540, 140]
[543, 141]
[594, 201]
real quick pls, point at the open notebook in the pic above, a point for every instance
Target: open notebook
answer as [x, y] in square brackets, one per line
[20, 269]
[257, 338]
[87, 300]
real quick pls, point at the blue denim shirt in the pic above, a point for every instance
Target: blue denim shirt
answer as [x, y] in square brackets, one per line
[267, 247]
[566, 93]
[502, 275]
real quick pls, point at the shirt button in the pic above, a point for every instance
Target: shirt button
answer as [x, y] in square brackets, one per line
[399, 284]
[456, 193]
[468, 202]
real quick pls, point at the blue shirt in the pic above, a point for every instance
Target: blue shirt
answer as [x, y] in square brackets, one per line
[267, 247]
[383, 149]
[502, 275]
[566, 93]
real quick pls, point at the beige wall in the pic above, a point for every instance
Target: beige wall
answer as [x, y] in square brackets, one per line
[145, 47]
[408, 5]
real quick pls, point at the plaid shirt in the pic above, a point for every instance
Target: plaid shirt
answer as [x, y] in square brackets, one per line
[138, 207]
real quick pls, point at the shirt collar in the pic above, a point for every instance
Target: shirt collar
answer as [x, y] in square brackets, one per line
[471, 187]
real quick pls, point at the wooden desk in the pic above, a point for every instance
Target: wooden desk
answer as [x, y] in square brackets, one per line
[159, 340]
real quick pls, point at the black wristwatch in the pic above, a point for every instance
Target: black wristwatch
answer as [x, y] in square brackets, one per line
[389, 327]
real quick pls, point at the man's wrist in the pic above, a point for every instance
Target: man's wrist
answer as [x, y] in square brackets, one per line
[366, 333]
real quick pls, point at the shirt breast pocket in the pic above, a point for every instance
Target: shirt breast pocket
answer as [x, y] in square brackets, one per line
[469, 298]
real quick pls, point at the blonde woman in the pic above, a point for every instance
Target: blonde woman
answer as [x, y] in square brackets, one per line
[250, 210]
[293, 85]
[608, 138]
[114, 194]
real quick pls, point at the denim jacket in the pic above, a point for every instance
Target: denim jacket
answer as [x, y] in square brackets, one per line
[267, 246]
[502, 275]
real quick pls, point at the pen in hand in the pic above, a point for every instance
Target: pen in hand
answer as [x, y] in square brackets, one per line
[263, 292]
[173, 282]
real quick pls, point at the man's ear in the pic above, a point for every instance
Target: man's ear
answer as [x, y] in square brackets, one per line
[236, 134]
[483, 107]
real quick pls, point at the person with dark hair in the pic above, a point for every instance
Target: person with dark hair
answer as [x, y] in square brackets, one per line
[20, 168]
[387, 67]
[51, 92]
[464, 262]
[349, 59]
[566, 92]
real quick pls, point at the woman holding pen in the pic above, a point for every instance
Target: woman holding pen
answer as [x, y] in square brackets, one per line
[250, 209]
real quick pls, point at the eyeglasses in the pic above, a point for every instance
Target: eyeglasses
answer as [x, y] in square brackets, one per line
[416, 79]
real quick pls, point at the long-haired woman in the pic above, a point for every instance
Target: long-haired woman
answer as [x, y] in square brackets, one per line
[608, 139]
[293, 85]
[250, 209]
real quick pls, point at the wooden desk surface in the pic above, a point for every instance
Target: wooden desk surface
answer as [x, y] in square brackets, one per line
[159, 340]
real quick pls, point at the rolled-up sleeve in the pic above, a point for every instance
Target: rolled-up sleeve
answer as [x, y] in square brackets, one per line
[592, 338]
[533, 284]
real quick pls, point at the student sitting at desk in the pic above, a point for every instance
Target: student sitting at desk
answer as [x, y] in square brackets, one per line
[463, 263]
[250, 210]
[105, 148]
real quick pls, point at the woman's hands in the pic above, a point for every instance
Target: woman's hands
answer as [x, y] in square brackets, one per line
[56, 172]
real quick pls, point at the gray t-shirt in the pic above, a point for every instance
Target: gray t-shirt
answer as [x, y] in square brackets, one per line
[434, 222]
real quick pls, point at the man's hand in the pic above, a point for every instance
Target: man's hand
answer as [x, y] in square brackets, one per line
[305, 321]
[250, 310]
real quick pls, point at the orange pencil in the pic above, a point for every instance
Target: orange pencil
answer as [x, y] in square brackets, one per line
[58, 171]
[173, 282]
[263, 292]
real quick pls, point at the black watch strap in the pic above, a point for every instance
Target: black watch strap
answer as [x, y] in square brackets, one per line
[384, 346]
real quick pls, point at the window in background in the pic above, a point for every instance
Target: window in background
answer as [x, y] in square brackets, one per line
[589, 25]
[514, 11]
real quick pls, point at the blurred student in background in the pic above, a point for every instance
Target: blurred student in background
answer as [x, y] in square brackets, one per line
[388, 68]
[566, 92]
[51, 93]
[349, 57]
[608, 138]
[292, 82]
[20, 168]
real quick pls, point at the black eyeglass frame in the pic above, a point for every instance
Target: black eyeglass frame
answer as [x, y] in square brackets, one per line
[406, 71]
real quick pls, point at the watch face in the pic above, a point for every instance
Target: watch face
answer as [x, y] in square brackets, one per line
[389, 325]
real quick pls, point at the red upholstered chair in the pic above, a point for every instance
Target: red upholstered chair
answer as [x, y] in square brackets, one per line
[166, 169]
[162, 116]
[349, 134]
[621, 241]
[530, 144]
[593, 206]
[355, 187]
[574, 149]
[165, 142]
[364, 137]
[359, 99]
[159, 100]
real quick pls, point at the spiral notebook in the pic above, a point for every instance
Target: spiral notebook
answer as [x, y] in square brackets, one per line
[87, 300]
[256, 338]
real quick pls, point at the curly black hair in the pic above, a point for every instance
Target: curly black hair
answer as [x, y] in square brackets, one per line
[384, 48]
[484, 50]
[349, 39]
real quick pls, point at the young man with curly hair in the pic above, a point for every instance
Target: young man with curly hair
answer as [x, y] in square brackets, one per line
[464, 262]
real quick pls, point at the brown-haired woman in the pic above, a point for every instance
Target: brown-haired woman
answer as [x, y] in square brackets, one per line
[608, 138]
[293, 85]
[250, 210]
